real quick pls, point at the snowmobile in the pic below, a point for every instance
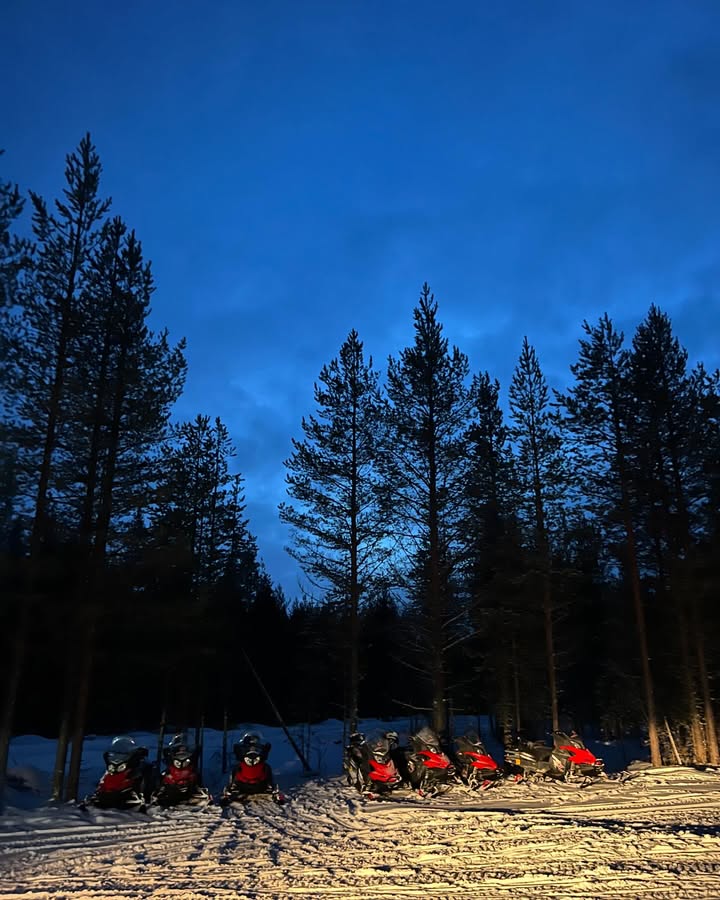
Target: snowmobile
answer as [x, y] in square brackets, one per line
[475, 767]
[180, 781]
[368, 762]
[535, 760]
[582, 761]
[425, 765]
[251, 774]
[127, 781]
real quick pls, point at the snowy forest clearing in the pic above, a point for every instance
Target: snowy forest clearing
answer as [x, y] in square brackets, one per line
[655, 834]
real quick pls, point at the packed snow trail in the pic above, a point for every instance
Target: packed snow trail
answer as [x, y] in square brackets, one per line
[656, 836]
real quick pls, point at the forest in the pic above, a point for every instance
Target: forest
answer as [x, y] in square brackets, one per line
[543, 557]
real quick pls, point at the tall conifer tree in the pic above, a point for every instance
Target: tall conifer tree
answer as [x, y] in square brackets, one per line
[339, 532]
[598, 413]
[426, 468]
[540, 472]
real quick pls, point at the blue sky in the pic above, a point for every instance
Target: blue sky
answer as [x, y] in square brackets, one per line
[298, 169]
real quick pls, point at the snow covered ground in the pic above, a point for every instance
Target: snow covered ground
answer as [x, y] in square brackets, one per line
[654, 834]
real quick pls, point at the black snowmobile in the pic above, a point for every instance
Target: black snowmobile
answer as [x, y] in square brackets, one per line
[368, 762]
[251, 774]
[535, 760]
[180, 781]
[128, 779]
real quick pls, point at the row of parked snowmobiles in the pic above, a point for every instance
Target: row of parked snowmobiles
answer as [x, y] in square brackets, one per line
[377, 764]
[130, 781]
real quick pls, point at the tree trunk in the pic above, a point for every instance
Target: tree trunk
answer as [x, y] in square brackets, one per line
[516, 686]
[64, 733]
[550, 651]
[354, 598]
[709, 712]
[81, 704]
[648, 690]
[635, 586]
[696, 727]
[12, 685]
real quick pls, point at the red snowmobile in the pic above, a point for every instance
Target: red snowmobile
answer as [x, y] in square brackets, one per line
[426, 766]
[251, 774]
[581, 760]
[368, 763]
[180, 781]
[127, 782]
[475, 767]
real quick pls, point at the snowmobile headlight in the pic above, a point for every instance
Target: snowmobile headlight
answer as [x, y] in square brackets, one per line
[121, 767]
[181, 763]
[252, 759]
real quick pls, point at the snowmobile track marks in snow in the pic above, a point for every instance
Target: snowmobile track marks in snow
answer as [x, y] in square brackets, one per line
[649, 840]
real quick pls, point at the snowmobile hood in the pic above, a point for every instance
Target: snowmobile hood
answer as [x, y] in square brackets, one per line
[383, 773]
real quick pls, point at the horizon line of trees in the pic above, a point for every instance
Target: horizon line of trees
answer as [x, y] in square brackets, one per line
[556, 562]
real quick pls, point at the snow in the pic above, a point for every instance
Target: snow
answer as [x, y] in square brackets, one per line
[649, 833]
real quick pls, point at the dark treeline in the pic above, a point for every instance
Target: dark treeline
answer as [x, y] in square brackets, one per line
[554, 562]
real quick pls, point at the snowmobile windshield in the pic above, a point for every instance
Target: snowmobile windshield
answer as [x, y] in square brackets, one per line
[251, 747]
[472, 737]
[428, 739]
[121, 749]
[568, 740]
[378, 743]
[180, 745]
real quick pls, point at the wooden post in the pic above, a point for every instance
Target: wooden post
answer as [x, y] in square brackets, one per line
[672, 742]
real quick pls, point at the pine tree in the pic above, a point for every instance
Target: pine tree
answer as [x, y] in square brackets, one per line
[539, 469]
[44, 332]
[51, 321]
[14, 251]
[670, 487]
[598, 412]
[338, 531]
[494, 556]
[425, 473]
[131, 378]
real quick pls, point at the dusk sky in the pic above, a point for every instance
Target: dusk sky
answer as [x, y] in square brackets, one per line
[297, 169]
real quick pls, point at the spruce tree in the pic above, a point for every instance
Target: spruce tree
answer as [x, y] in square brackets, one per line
[199, 507]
